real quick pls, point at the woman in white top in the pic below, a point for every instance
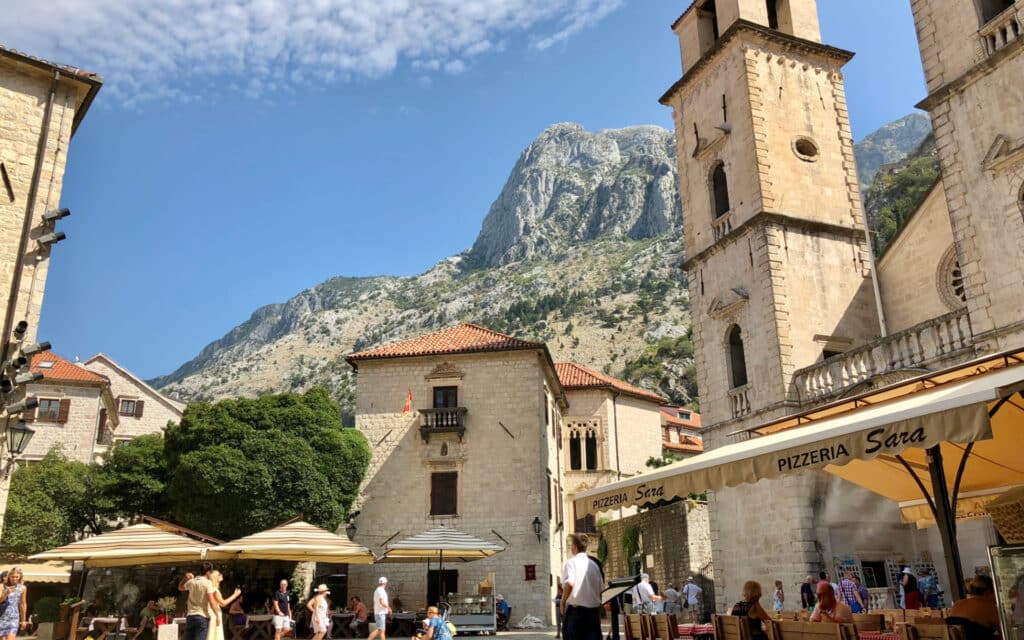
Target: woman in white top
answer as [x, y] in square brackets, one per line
[317, 606]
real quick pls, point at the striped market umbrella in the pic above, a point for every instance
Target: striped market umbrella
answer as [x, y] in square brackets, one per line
[293, 542]
[133, 545]
[442, 543]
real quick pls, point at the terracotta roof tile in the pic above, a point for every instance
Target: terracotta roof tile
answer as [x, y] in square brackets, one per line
[691, 445]
[675, 421]
[56, 369]
[574, 377]
[461, 338]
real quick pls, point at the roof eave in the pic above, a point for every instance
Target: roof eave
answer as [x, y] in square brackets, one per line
[92, 81]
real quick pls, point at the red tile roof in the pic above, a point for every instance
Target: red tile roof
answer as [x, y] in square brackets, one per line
[461, 338]
[670, 418]
[63, 371]
[686, 444]
[575, 377]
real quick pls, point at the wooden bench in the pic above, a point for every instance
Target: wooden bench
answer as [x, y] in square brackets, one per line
[637, 627]
[869, 622]
[786, 630]
[664, 626]
[730, 627]
[915, 631]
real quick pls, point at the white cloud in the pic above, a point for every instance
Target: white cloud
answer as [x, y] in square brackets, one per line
[178, 49]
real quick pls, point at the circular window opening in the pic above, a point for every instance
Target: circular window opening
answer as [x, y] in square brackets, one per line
[805, 149]
[950, 280]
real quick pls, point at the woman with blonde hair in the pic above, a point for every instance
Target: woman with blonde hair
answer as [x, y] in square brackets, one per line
[750, 608]
[216, 631]
[14, 617]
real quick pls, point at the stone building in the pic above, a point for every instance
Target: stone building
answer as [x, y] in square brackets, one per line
[76, 410]
[610, 431]
[140, 408]
[789, 308]
[481, 431]
[680, 432]
[41, 106]
[462, 426]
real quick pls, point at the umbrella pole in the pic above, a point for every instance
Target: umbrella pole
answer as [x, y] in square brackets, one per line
[945, 519]
[440, 576]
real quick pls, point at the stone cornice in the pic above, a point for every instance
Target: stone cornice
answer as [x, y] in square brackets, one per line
[972, 75]
[744, 26]
[766, 218]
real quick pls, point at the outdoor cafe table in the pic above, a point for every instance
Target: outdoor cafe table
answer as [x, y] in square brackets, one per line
[402, 624]
[261, 626]
[100, 627]
[340, 622]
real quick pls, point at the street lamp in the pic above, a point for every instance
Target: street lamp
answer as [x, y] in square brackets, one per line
[537, 526]
[18, 437]
[350, 530]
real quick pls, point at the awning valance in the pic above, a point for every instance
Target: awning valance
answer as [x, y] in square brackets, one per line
[295, 542]
[956, 413]
[134, 545]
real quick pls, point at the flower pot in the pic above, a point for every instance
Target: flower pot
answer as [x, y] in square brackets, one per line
[45, 631]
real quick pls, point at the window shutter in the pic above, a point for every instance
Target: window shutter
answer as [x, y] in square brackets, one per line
[138, 408]
[64, 410]
[29, 415]
[117, 405]
[444, 494]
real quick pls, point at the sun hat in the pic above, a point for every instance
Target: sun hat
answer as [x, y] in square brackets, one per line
[382, 580]
[323, 589]
[690, 579]
[907, 571]
[499, 597]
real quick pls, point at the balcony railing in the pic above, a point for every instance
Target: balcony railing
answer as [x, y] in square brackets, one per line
[449, 420]
[722, 225]
[739, 401]
[915, 348]
[1001, 30]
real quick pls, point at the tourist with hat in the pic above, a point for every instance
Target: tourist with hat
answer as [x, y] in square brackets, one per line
[501, 611]
[381, 609]
[691, 599]
[317, 607]
[911, 595]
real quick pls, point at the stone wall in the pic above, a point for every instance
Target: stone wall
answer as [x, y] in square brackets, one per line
[77, 437]
[675, 543]
[911, 274]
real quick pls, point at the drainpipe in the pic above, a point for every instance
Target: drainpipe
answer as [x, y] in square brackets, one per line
[882, 328]
[26, 225]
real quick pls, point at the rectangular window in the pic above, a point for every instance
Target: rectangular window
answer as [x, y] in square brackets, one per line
[586, 524]
[530, 572]
[49, 410]
[444, 494]
[685, 415]
[575, 455]
[127, 408]
[446, 397]
[591, 443]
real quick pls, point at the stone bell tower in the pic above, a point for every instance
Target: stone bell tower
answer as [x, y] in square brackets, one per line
[777, 259]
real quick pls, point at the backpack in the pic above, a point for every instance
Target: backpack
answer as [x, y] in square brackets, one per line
[451, 628]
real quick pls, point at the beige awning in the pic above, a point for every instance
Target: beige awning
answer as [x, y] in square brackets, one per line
[134, 545]
[441, 544]
[295, 542]
[852, 442]
[46, 572]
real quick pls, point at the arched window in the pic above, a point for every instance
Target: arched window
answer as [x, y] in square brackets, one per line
[720, 190]
[591, 443]
[737, 359]
[575, 454]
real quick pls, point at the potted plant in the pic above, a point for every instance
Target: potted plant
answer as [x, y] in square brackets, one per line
[46, 613]
[167, 605]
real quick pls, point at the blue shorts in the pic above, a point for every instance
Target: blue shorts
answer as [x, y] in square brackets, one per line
[381, 619]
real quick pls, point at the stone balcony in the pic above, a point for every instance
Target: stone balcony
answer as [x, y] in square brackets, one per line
[1001, 30]
[739, 401]
[939, 341]
[722, 225]
[447, 420]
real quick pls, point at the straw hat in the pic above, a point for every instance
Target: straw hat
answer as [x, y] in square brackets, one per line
[323, 589]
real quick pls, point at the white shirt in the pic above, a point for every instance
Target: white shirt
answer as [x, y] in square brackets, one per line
[646, 591]
[582, 573]
[692, 592]
[380, 601]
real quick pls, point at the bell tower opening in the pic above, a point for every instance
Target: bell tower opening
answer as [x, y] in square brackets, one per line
[773, 14]
[720, 190]
[737, 359]
[709, 18]
[989, 9]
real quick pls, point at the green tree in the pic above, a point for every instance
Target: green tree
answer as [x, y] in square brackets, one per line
[242, 465]
[51, 501]
[134, 477]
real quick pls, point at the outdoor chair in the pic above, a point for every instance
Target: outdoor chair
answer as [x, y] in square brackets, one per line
[74, 631]
[869, 622]
[637, 627]
[664, 626]
[784, 630]
[922, 616]
[730, 627]
[892, 616]
[914, 631]
[972, 630]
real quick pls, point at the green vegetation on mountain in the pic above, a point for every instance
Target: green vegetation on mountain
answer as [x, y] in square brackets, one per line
[898, 191]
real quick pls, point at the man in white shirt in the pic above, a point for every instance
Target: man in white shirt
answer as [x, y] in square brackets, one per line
[381, 609]
[581, 592]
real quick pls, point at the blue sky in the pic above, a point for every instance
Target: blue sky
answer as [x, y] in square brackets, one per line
[231, 162]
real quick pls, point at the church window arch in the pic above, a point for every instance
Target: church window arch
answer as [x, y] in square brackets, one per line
[719, 190]
[949, 278]
[584, 436]
[737, 358]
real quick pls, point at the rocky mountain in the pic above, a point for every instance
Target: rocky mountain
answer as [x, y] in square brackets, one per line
[889, 144]
[898, 189]
[580, 249]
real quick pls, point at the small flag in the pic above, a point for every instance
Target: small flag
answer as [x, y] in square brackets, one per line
[408, 403]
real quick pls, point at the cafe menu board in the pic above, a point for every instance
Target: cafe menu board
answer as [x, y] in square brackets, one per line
[1008, 574]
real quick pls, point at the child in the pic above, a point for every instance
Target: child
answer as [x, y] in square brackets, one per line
[779, 599]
